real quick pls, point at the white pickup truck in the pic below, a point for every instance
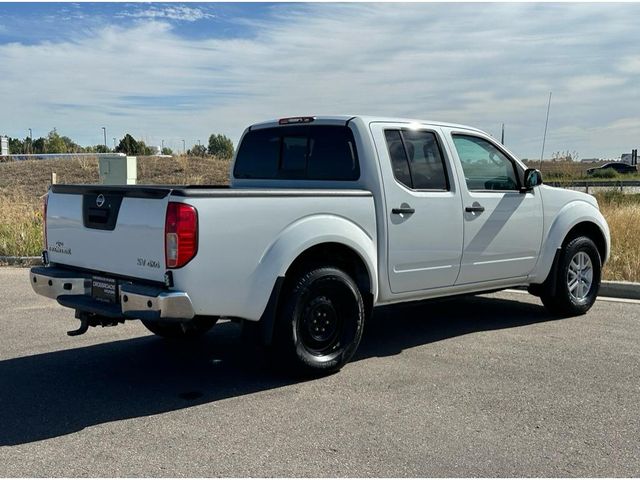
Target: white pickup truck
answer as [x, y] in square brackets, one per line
[325, 218]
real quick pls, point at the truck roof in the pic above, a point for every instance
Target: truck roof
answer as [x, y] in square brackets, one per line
[329, 119]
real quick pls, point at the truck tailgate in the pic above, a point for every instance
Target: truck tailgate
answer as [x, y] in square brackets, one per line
[115, 230]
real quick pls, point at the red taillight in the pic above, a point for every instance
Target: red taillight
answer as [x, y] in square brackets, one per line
[45, 201]
[180, 234]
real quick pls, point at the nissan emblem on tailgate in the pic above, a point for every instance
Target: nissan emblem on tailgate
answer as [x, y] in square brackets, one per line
[100, 200]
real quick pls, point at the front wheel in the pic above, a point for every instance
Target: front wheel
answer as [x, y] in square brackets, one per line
[578, 279]
[320, 325]
[191, 329]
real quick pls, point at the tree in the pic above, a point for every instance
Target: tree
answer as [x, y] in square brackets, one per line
[143, 149]
[167, 151]
[565, 156]
[70, 145]
[39, 145]
[197, 151]
[128, 145]
[16, 146]
[28, 145]
[55, 143]
[99, 149]
[220, 146]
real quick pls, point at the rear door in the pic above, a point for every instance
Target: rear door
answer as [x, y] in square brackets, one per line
[112, 230]
[423, 208]
[502, 225]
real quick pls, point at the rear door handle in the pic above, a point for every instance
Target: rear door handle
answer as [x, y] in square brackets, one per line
[474, 209]
[401, 210]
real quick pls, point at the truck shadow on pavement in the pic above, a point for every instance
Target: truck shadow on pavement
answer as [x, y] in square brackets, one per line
[52, 394]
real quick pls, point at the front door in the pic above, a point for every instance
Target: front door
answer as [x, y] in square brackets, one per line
[423, 208]
[502, 225]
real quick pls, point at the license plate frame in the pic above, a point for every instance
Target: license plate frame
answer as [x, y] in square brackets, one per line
[104, 289]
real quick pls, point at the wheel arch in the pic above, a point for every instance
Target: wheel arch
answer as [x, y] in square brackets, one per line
[591, 230]
[575, 219]
[315, 241]
[337, 255]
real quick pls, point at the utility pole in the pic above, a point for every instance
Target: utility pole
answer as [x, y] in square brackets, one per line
[162, 148]
[184, 148]
[544, 137]
[104, 130]
[502, 136]
[114, 143]
[30, 141]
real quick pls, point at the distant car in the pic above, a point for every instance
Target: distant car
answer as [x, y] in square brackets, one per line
[619, 167]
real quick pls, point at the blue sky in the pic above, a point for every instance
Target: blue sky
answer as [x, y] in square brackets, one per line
[171, 71]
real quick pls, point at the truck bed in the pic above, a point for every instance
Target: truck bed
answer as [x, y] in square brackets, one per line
[242, 235]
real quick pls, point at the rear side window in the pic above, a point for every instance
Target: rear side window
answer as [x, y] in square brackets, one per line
[416, 159]
[323, 152]
[399, 162]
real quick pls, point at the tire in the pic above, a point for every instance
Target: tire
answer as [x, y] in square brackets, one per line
[577, 279]
[191, 329]
[321, 321]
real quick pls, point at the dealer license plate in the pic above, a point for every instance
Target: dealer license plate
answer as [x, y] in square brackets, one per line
[104, 289]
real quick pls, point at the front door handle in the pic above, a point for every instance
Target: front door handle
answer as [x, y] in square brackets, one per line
[474, 209]
[401, 210]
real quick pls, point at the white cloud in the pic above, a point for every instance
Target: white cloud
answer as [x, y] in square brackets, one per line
[481, 64]
[172, 12]
[584, 83]
[630, 65]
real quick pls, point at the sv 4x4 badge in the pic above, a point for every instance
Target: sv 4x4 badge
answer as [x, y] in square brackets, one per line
[143, 262]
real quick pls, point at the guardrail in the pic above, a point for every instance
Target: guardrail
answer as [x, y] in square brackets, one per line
[598, 184]
[595, 183]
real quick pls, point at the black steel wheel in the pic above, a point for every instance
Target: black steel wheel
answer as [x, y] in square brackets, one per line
[321, 321]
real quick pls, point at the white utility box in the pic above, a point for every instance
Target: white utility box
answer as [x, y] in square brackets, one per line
[4, 146]
[118, 169]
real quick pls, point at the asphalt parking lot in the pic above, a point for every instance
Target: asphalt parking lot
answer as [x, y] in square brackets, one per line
[480, 386]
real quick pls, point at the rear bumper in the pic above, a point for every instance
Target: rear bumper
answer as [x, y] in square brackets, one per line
[73, 289]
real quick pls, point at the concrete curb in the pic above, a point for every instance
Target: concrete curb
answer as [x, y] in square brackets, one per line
[620, 290]
[20, 261]
[608, 288]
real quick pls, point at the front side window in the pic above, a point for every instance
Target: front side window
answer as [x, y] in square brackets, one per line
[416, 159]
[485, 167]
[320, 152]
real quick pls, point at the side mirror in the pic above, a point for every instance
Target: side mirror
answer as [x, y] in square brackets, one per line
[532, 178]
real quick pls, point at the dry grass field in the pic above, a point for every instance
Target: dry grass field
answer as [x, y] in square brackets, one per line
[567, 171]
[22, 185]
[32, 177]
[622, 212]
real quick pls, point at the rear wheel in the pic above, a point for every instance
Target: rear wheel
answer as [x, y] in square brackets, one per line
[320, 325]
[193, 328]
[577, 279]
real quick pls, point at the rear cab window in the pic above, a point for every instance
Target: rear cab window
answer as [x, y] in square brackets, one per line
[318, 152]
